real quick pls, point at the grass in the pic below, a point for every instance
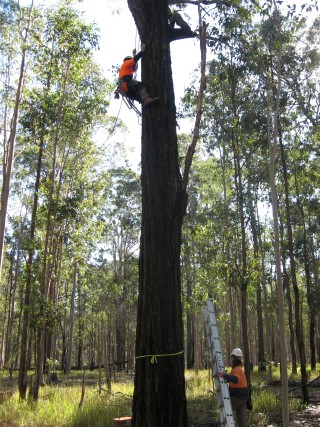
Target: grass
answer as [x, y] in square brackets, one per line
[201, 399]
[58, 406]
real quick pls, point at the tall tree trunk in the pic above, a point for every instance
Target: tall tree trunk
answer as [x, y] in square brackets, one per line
[7, 169]
[297, 312]
[120, 335]
[80, 329]
[45, 274]
[254, 230]
[311, 295]
[9, 344]
[233, 322]
[244, 272]
[281, 311]
[274, 202]
[190, 339]
[29, 279]
[231, 342]
[287, 290]
[313, 321]
[99, 358]
[197, 342]
[5, 316]
[71, 320]
[159, 394]
[107, 341]
[263, 281]
[55, 298]
[190, 315]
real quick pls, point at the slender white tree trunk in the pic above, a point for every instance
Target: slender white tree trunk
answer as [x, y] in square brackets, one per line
[281, 308]
[7, 168]
[71, 324]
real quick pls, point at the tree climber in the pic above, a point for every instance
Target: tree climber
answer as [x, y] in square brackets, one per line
[132, 88]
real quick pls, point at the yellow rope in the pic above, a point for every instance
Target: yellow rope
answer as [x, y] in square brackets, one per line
[154, 356]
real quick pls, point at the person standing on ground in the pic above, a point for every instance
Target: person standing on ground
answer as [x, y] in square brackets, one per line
[238, 386]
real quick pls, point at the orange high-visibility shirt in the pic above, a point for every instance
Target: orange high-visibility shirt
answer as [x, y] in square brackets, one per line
[239, 373]
[127, 69]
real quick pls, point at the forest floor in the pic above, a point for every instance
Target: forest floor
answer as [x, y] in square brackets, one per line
[308, 417]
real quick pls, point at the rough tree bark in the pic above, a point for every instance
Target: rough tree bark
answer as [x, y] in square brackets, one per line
[159, 396]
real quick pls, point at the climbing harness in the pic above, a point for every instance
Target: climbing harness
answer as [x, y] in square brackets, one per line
[128, 101]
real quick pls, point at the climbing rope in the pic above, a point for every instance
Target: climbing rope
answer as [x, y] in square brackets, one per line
[136, 50]
[130, 104]
[136, 38]
[153, 357]
[116, 121]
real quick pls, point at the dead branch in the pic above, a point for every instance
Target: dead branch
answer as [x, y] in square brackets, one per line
[196, 131]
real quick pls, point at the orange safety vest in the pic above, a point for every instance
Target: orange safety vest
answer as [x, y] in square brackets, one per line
[238, 372]
[127, 69]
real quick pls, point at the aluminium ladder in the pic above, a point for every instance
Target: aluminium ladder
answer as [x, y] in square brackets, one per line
[220, 385]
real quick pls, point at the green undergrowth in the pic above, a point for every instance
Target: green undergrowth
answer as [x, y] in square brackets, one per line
[58, 406]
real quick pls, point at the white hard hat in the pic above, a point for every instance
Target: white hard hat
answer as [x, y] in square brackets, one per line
[237, 352]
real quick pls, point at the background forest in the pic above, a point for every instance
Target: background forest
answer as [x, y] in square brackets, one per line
[70, 207]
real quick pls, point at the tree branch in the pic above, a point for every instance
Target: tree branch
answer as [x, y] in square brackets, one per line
[196, 131]
[181, 33]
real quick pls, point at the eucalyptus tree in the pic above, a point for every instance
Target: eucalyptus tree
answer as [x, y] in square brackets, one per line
[233, 124]
[302, 97]
[247, 115]
[204, 244]
[159, 396]
[70, 98]
[11, 291]
[23, 23]
[122, 213]
[285, 34]
[277, 35]
[273, 127]
[305, 182]
[301, 66]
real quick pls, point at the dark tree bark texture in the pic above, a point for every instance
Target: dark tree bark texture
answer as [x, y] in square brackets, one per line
[159, 396]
